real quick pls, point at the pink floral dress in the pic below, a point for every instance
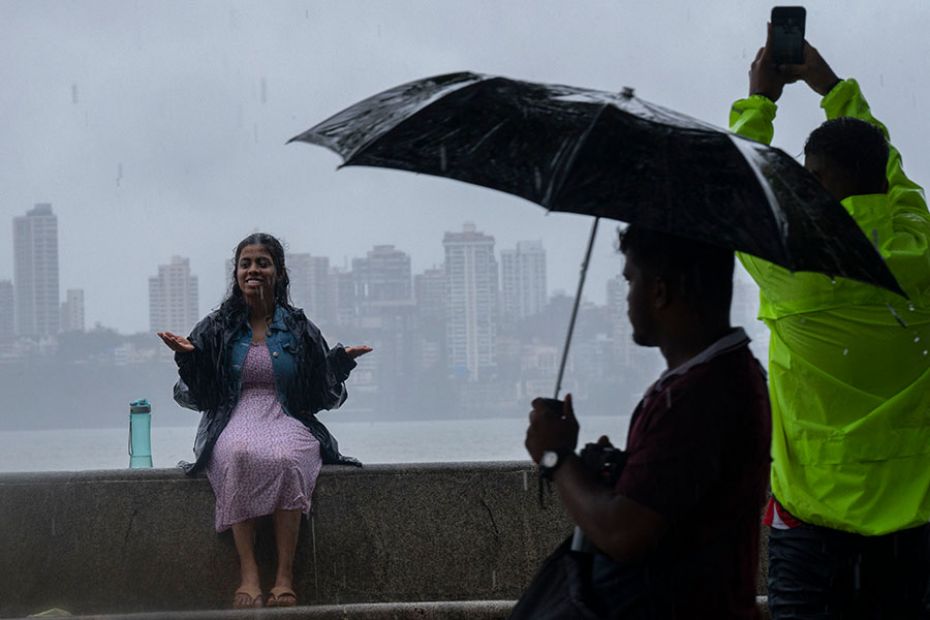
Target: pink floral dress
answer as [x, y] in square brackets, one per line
[264, 460]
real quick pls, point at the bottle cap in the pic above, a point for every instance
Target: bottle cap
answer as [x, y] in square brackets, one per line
[140, 406]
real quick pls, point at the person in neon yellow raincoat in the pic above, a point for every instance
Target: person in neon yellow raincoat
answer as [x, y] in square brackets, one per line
[849, 375]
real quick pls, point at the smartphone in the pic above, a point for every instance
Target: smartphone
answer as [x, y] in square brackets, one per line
[788, 35]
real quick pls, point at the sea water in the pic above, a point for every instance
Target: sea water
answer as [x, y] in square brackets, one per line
[421, 441]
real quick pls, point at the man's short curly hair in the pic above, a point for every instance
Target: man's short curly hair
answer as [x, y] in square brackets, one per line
[858, 148]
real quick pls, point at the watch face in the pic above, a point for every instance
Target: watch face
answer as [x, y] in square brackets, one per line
[549, 459]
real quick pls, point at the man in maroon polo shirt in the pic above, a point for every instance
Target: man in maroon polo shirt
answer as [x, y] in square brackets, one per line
[677, 534]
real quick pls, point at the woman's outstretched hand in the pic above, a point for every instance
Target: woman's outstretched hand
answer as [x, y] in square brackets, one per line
[178, 344]
[354, 352]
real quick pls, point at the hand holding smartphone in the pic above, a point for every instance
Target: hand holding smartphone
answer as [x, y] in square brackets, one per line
[787, 35]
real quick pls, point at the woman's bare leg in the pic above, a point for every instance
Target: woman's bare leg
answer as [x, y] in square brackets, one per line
[286, 528]
[244, 536]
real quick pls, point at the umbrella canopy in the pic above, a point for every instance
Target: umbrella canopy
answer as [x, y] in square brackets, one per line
[608, 155]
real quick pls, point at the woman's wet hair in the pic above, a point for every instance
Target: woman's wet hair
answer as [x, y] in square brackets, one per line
[235, 300]
[857, 148]
[701, 273]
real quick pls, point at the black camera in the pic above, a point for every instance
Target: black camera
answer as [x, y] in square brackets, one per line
[606, 462]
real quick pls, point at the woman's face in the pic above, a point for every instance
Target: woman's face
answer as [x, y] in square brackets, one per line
[255, 273]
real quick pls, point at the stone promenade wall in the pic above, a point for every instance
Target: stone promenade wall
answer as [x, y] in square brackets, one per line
[143, 540]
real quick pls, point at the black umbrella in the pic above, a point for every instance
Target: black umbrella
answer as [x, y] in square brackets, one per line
[608, 155]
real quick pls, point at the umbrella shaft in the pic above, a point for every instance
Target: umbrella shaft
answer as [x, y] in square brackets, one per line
[571, 323]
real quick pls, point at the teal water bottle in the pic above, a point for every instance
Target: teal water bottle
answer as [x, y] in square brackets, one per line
[140, 434]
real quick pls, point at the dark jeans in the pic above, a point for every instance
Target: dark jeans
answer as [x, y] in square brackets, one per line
[823, 574]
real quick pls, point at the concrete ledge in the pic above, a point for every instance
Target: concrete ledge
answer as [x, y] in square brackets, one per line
[461, 610]
[118, 542]
[424, 541]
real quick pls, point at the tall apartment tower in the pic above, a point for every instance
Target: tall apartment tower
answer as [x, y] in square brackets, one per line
[173, 299]
[311, 286]
[35, 272]
[7, 310]
[383, 275]
[72, 311]
[384, 298]
[471, 301]
[523, 280]
[429, 289]
[344, 302]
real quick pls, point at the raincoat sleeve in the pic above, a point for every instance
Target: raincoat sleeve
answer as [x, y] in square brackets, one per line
[330, 369]
[753, 117]
[846, 100]
[197, 386]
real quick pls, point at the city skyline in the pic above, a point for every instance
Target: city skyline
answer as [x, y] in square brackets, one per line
[521, 277]
[174, 293]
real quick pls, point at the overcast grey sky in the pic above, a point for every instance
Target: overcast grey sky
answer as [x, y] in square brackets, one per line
[158, 128]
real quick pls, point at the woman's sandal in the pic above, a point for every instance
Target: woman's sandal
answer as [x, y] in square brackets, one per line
[282, 597]
[244, 600]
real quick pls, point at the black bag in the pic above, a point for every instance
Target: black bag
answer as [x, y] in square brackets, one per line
[572, 585]
[558, 591]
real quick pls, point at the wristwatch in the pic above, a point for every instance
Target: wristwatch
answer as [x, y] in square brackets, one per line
[549, 462]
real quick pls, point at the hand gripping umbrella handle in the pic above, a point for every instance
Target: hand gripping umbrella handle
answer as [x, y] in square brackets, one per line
[571, 323]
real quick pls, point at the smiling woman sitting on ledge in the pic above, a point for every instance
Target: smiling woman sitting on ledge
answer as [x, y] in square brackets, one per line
[259, 370]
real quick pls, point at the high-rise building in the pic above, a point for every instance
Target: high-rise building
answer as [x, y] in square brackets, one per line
[35, 272]
[523, 280]
[471, 303]
[311, 286]
[429, 289]
[383, 275]
[344, 302]
[173, 298]
[7, 309]
[72, 311]
[387, 312]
